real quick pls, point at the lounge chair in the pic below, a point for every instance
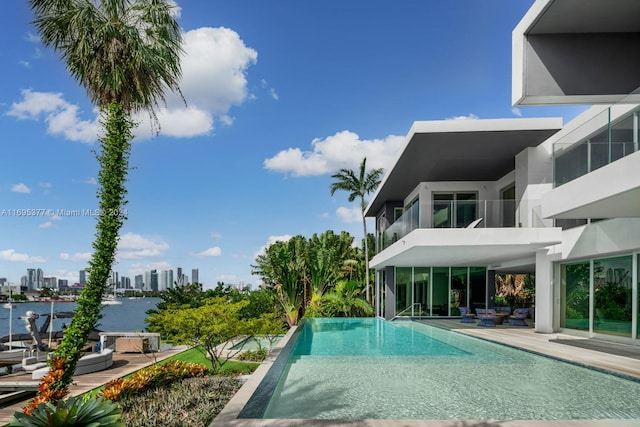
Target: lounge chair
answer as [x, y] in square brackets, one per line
[518, 317]
[487, 317]
[467, 316]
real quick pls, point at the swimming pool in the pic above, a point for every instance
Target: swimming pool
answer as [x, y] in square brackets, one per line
[374, 369]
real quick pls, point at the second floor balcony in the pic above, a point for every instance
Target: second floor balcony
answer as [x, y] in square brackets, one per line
[461, 214]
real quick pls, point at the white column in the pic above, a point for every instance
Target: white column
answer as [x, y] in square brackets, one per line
[545, 303]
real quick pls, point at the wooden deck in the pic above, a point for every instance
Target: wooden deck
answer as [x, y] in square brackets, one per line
[123, 364]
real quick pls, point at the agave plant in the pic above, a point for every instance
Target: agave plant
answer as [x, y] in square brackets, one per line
[71, 412]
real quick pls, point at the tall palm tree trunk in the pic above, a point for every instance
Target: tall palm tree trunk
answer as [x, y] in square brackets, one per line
[367, 291]
[115, 148]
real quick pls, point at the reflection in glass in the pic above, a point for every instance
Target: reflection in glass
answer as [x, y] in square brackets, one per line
[575, 296]
[421, 289]
[440, 299]
[612, 295]
[403, 290]
[458, 289]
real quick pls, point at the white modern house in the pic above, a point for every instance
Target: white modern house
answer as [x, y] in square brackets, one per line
[466, 200]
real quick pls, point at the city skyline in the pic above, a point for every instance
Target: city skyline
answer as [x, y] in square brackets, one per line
[37, 279]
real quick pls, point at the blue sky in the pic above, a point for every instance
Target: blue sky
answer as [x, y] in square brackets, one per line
[281, 94]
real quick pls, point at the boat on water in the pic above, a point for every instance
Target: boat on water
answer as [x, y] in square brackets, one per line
[111, 300]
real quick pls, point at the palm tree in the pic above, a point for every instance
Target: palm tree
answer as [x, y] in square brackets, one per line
[358, 187]
[126, 53]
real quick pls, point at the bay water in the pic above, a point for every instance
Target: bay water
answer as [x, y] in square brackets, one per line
[126, 317]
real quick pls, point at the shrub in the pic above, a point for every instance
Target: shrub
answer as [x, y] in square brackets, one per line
[152, 377]
[72, 412]
[253, 355]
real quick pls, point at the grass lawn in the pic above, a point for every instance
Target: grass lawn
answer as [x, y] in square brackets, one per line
[193, 355]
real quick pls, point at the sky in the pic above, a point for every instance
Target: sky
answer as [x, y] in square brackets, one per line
[280, 96]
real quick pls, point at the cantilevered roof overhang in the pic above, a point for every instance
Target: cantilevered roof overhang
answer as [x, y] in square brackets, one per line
[459, 150]
[576, 52]
[453, 247]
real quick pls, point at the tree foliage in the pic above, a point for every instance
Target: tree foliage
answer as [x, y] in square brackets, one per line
[303, 271]
[359, 186]
[209, 327]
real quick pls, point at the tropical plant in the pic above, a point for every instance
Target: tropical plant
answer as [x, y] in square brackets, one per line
[283, 267]
[358, 186]
[325, 258]
[347, 299]
[126, 55]
[71, 412]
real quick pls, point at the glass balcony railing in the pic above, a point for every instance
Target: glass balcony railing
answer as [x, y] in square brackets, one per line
[617, 136]
[462, 214]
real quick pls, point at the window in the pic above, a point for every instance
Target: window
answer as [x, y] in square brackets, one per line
[454, 210]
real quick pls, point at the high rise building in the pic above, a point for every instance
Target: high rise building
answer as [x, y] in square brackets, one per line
[139, 281]
[147, 281]
[39, 279]
[170, 280]
[83, 277]
[154, 281]
[31, 278]
[180, 277]
[194, 276]
[125, 282]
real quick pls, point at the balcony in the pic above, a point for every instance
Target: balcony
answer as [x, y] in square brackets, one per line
[597, 176]
[462, 214]
[610, 138]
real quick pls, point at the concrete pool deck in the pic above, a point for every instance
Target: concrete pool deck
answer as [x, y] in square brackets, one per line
[616, 358]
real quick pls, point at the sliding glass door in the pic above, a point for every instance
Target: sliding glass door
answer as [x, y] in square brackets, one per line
[454, 210]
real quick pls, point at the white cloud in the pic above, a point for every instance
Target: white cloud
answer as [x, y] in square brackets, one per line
[46, 225]
[213, 251]
[270, 241]
[12, 255]
[274, 94]
[216, 235]
[77, 257]
[61, 116]
[45, 185]
[133, 246]
[349, 214]
[516, 111]
[90, 180]
[470, 116]
[214, 66]
[324, 215]
[33, 37]
[25, 64]
[345, 149]
[20, 188]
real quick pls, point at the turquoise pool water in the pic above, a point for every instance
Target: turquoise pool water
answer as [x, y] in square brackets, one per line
[373, 369]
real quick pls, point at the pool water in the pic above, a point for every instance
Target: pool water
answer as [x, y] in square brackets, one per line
[374, 369]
